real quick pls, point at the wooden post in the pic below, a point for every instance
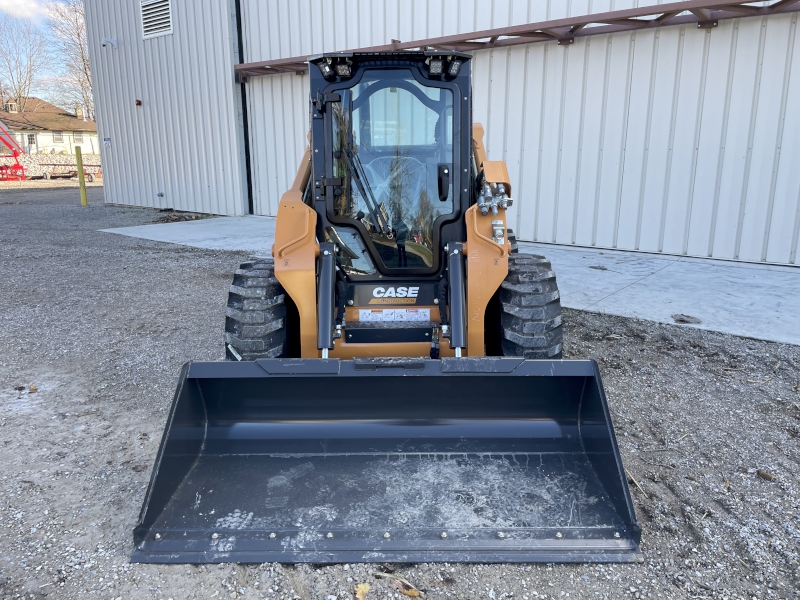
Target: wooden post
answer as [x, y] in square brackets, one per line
[81, 178]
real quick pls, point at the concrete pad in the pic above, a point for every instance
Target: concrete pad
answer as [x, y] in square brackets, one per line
[249, 234]
[750, 300]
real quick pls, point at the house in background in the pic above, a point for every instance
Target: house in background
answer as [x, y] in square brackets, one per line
[44, 128]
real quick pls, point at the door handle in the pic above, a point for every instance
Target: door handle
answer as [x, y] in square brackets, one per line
[444, 182]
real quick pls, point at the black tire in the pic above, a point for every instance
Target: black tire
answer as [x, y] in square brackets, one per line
[255, 319]
[89, 177]
[513, 240]
[530, 309]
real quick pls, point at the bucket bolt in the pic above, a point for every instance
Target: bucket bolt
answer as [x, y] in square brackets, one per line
[444, 535]
[559, 535]
[215, 536]
[387, 535]
[329, 535]
[616, 535]
[272, 536]
[158, 536]
[501, 535]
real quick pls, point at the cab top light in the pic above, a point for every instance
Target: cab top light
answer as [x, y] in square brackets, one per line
[436, 67]
[454, 68]
[343, 69]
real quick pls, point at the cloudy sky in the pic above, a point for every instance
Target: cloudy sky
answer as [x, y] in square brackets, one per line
[23, 8]
[35, 10]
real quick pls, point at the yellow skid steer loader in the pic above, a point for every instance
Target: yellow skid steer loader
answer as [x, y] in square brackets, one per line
[394, 389]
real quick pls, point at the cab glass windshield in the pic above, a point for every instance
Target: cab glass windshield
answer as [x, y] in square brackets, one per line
[393, 149]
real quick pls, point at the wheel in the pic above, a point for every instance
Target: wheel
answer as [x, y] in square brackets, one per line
[524, 316]
[89, 177]
[513, 240]
[46, 175]
[255, 319]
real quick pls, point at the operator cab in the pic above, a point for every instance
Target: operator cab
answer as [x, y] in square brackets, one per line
[391, 174]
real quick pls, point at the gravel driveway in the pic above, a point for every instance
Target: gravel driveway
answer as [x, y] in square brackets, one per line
[94, 328]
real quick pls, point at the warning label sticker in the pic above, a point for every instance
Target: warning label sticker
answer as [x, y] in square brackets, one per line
[396, 314]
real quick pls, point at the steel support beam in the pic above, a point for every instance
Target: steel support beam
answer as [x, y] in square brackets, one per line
[704, 13]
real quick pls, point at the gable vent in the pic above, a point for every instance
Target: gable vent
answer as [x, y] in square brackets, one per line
[156, 18]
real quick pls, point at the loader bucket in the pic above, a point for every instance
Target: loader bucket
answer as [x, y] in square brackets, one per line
[379, 460]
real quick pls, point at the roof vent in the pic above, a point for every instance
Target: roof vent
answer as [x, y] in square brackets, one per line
[156, 18]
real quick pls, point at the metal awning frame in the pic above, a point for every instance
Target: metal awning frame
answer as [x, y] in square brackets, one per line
[705, 13]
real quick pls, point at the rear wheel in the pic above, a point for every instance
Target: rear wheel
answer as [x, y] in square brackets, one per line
[255, 319]
[524, 317]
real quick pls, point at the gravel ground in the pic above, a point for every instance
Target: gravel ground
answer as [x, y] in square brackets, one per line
[45, 184]
[100, 324]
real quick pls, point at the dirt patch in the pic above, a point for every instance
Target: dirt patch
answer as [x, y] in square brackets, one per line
[100, 325]
[170, 216]
[686, 319]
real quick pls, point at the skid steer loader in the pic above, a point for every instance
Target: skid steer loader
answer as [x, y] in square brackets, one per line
[394, 389]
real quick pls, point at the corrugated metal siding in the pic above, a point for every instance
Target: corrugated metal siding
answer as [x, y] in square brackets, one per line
[679, 140]
[660, 141]
[278, 118]
[186, 139]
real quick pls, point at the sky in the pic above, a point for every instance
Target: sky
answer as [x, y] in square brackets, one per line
[37, 11]
[34, 9]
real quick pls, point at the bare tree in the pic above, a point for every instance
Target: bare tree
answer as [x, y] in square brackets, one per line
[67, 20]
[23, 54]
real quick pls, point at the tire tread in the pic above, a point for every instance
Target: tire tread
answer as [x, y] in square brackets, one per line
[255, 317]
[530, 309]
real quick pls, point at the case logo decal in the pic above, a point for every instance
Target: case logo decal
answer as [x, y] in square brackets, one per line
[400, 292]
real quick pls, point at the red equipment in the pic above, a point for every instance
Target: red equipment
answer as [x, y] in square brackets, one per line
[15, 172]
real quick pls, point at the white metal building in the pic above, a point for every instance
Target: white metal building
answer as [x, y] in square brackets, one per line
[678, 139]
[169, 113]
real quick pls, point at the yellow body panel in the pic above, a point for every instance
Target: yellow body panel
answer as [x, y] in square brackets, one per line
[295, 253]
[487, 267]
[344, 350]
[495, 171]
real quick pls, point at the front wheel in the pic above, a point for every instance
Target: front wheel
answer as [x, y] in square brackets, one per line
[524, 317]
[255, 318]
